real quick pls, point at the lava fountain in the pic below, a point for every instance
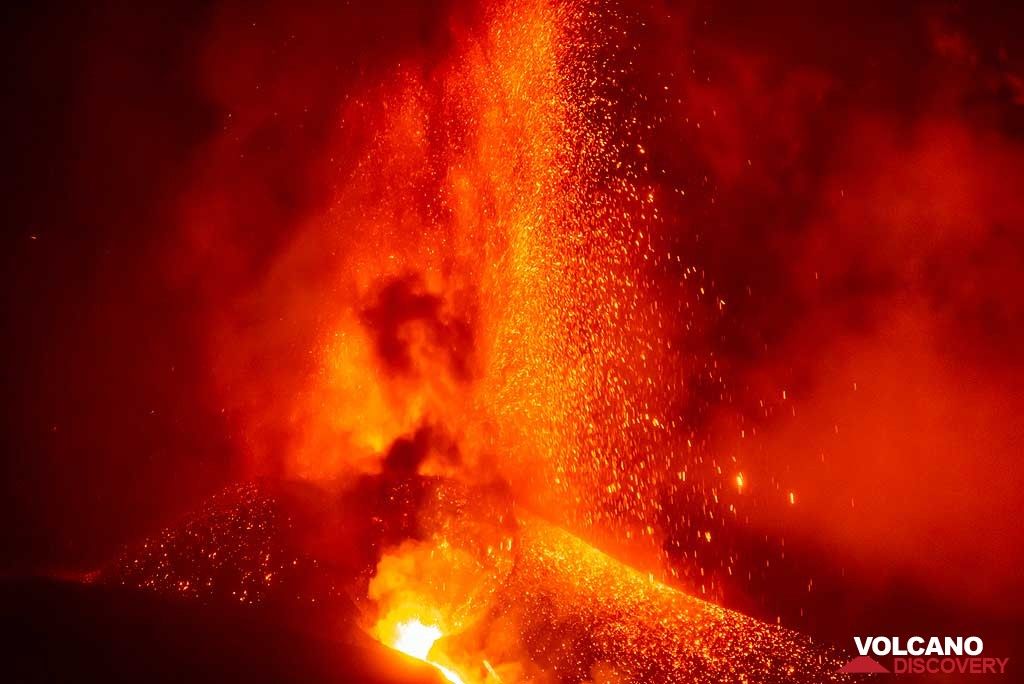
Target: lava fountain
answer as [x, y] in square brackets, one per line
[478, 263]
[483, 378]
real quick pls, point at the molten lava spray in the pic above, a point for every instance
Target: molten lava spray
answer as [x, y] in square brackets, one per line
[478, 271]
[479, 264]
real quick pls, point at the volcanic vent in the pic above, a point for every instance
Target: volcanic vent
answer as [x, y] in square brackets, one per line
[479, 596]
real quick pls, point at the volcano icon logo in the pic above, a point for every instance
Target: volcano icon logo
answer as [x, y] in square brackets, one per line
[862, 665]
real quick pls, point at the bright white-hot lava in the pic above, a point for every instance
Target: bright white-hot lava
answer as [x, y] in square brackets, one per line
[416, 639]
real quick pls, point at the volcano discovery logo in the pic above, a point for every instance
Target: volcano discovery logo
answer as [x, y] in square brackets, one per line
[923, 655]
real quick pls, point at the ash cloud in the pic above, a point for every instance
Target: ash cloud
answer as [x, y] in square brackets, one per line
[401, 304]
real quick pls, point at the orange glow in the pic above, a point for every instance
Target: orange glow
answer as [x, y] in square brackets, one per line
[416, 639]
[478, 265]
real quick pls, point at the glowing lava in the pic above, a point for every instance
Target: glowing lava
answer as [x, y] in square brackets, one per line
[415, 639]
[562, 610]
